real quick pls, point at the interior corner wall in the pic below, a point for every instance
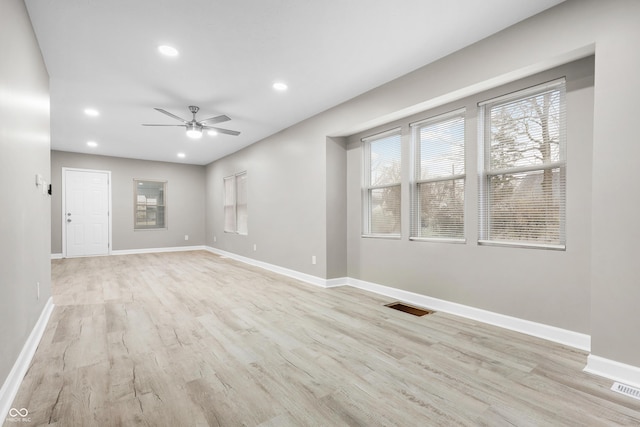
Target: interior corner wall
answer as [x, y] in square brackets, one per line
[24, 153]
[185, 200]
[615, 294]
[336, 207]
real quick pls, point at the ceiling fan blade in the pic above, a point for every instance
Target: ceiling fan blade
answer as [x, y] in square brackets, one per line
[144, 124]
[171, 115]
[214, 120]
[225, 131]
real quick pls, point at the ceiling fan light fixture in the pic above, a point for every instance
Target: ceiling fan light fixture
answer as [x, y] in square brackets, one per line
[194, 131]
[280, 86]
[168, 50]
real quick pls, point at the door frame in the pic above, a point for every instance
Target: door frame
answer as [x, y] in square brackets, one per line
[64, 204]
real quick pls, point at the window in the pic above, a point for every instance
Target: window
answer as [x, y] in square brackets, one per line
[437, 191]
[150, 198]
[235, 203]
[381, 189]
[523, 183]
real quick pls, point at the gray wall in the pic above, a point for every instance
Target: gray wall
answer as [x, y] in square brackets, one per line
[294, 166]
[185, 200]
[336, 207]
[24, 152]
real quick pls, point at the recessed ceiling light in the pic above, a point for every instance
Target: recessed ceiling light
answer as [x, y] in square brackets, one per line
[182, 155]
[91, 112]
[212, 132]
[92, 144]
[168, 50]
[280, 86]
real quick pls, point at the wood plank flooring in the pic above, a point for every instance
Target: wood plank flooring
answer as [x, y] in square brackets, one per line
[193, 339]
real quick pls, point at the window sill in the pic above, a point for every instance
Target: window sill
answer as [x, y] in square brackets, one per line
[524, 245]
[438, 240]
[382, 236]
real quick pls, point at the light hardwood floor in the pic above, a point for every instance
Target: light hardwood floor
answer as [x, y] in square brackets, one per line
[193, 339]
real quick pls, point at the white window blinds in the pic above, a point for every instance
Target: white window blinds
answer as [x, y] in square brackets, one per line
[437, 191]
[523, 189]
[241, 203]
[381, 189]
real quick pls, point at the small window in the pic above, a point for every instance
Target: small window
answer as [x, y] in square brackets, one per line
[382, 184]
[150, 198]
[437, 191]
[235, 204]
[523, 188]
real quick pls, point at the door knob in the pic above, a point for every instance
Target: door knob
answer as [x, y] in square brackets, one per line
[68, 213]
[68, 219]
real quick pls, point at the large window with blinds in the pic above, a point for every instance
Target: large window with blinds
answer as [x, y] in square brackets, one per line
[235, 203]
[382, 184]
[438, 181]
[522, 194]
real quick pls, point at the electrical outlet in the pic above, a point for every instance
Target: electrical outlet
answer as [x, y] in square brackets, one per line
[255, 247]
[313, 259]
[186, 237]
[215, 239]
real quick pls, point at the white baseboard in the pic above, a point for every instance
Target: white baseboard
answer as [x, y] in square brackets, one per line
[308, 278]
[146, 251]
[540, 330]
[551, 333]
[157, 250]
[621, 372]
[14, 379]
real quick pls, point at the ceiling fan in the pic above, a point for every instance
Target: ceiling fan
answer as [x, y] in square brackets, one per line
[195, 127]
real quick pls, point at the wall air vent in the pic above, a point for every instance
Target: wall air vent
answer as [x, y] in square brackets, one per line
[626, 390]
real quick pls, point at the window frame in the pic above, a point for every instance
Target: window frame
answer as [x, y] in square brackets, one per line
[368, 188]
[137, 205]
[486, 172]
[416, 180]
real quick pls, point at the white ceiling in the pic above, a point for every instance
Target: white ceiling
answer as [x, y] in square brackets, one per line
[103, 54]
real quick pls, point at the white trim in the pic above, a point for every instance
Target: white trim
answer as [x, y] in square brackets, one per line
[308, 278]
[460, 112]
[530, 91]
[551, 333]
[621, 372]
[56, 256]
[336, 283]
[383, 134]
[14, 379]
[157, 250]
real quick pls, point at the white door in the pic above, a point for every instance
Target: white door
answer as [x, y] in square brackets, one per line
[86, 213]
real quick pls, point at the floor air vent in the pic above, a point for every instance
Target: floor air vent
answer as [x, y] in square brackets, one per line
[408, 309]
[626, 390]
